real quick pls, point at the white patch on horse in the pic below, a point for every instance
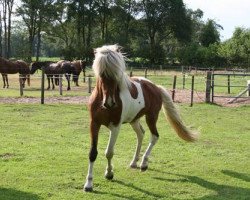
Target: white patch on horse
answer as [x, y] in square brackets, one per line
[130, 106]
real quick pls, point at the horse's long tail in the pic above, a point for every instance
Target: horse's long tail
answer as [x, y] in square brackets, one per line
[174, 118]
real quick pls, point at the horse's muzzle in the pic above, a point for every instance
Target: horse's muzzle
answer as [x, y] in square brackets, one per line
[109, 106]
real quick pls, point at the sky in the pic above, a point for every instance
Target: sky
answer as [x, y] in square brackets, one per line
[228, 13]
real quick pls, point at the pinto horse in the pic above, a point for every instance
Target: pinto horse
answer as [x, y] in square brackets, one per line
[119, 99]
[13, 67]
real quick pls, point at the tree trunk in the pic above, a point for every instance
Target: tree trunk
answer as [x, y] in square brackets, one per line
[10, 7]
[1, 39]
[5, 50]
[38, 41]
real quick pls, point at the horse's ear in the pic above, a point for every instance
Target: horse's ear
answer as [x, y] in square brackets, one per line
[118, 48]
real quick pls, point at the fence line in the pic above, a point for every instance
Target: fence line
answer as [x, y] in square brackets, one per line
[181, 81]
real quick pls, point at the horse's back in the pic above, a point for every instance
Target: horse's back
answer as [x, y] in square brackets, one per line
[152, 95]
[8, 67]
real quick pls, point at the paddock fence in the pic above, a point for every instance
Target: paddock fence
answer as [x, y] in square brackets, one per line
[187, 86]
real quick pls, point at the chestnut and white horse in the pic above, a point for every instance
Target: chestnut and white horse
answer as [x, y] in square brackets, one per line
[119, 99]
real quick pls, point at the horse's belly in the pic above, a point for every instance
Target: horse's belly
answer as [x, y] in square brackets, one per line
[130, 106]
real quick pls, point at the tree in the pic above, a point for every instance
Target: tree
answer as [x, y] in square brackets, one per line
[209, 33]
[28, 10]
[164, 17]
[237, 49]
[7, 6]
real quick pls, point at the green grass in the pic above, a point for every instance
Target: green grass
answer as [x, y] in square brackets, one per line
[44, 155]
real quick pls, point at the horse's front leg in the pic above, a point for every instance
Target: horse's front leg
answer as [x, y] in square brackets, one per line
[7, 80]
[94, 130]
[68, 80]
[77, 78]
[114, 131]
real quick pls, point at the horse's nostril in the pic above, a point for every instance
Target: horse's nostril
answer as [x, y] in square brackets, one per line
[106, 105]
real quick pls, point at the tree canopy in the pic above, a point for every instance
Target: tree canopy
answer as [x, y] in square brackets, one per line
[152, 31]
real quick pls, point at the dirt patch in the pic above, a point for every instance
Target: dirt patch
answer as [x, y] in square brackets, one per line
[49, 100]
[184, 96]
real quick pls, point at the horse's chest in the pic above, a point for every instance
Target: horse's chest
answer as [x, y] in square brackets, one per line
[131, 106]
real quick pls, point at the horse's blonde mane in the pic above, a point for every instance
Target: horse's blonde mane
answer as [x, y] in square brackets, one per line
[110, 62]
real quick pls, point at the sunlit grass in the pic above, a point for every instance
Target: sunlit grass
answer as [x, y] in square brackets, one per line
[44, 155]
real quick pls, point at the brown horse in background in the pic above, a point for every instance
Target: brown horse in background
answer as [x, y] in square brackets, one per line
[54, 70]
[78, 67]
[13, 67]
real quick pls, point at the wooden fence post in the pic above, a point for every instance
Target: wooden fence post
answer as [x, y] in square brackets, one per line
[131, 72]
[183, 81]
[89, 84]
[21, 84]
[60, 84]
[84, 76]
[146, 73]
[228, 84]
[248, 86]
[192, 91]
[174, 86]
[208, 87]
[42, 86]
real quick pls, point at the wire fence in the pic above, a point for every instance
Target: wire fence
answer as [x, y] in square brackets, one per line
[188, 87]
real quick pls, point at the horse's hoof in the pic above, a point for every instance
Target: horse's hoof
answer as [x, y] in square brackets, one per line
[109, 176]
[133, 166]
[88, 189]
[144, 168]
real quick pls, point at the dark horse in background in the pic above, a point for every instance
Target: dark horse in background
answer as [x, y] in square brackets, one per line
[13, 67]
[78, 67]
[53, 70]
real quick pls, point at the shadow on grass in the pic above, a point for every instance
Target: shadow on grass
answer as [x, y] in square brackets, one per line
[131, 187]
[11, 194]
[242, 176]
[222, 191]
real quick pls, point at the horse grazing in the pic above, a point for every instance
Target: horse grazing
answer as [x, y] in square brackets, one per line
[119, 99]
[13, 67]
[53, 70]
[48, 70]
[78, 67]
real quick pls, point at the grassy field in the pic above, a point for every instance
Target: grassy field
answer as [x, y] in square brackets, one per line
[44, 155]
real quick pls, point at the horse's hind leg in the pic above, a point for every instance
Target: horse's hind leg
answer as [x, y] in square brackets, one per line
[114, 130]
[151, 122]
[48, 77]
[140, 133]
[52, 81]
[5, 81]
[3, 76]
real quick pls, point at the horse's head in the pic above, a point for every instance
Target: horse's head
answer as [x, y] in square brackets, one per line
[83, 64]
[34, 66]
[109, 61]
[110, 91]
